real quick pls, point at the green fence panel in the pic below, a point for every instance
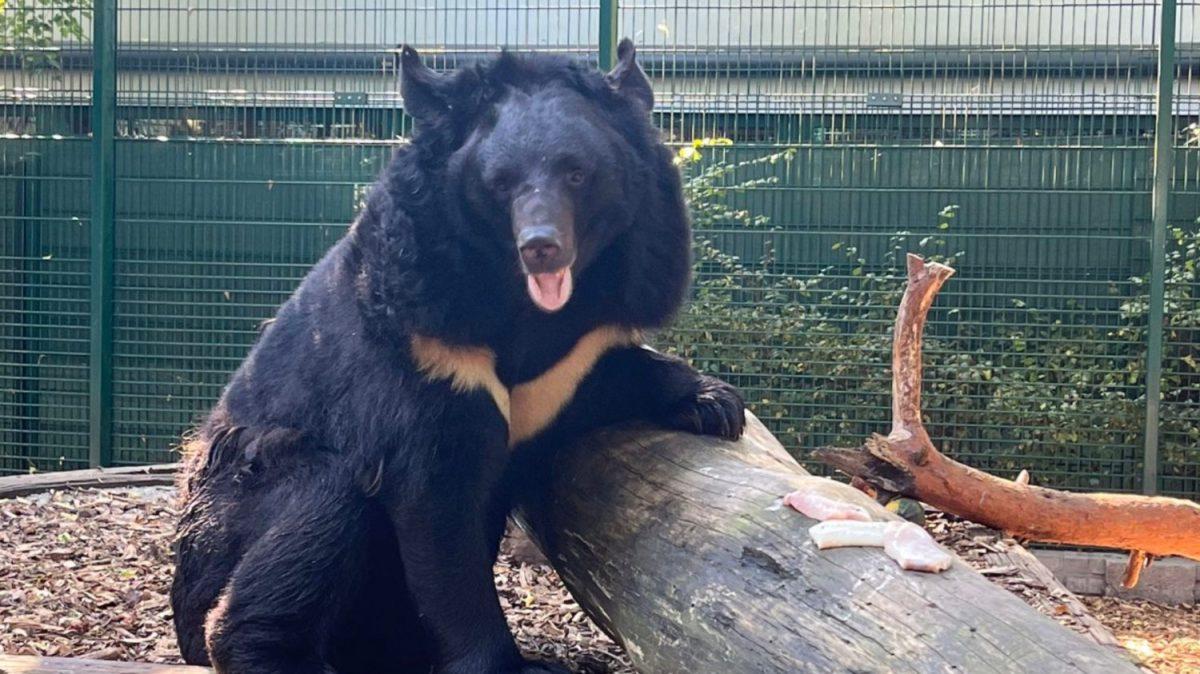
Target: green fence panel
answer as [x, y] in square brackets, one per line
[45, 170]
[1179, 413]
[44, 309]
[1014, 139]
[212, 238]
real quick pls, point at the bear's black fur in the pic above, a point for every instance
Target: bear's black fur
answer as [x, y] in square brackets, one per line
[344, 500]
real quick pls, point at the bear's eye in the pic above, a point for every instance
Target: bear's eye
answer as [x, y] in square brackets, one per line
[575, 178]
[502, 183]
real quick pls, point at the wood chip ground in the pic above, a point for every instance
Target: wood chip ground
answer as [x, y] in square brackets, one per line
[85, 573]
[1165, 638]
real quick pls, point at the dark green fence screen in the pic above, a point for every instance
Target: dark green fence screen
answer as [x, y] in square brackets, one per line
[821, 141]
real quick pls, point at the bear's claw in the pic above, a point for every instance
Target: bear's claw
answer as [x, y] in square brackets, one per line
[716, 408]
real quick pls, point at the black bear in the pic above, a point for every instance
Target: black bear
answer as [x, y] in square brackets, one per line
[344, 500]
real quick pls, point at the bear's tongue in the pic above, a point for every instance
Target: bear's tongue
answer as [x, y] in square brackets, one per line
[550, 291]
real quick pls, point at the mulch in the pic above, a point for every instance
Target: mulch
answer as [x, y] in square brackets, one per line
[1165, 638]
[85, 573]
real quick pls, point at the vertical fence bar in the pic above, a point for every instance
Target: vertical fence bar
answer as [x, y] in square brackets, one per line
[103, 203]
[1164, 131]
[608, 34]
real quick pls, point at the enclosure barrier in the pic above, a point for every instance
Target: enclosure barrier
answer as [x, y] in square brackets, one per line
[169, 172]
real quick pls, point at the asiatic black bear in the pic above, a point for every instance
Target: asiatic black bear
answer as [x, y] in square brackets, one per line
[344, 500]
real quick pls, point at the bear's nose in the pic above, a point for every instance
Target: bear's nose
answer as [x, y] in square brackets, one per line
[540, 249]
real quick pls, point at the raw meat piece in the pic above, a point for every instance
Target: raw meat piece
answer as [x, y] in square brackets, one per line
[848, 533]
[820, 507]
[911, 546]
[914, 549]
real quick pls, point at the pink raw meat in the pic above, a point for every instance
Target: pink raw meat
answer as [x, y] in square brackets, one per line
[820, 507]
[914, 549]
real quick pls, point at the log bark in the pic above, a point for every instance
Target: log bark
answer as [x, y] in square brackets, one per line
[680, 548]
[906, 462]
[1018, 569]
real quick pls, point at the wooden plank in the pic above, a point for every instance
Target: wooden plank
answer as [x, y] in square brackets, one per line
[26, 664]
[131, 476]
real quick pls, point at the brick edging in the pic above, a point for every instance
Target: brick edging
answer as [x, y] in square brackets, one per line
[1166, 581]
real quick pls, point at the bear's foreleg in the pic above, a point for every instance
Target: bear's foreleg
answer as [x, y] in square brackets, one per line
[638, 383]
[442, 508]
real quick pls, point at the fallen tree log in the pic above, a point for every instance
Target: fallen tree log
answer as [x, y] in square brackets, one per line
[679, 547]
[906, 462]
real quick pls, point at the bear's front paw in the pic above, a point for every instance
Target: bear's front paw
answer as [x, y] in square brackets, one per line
[715, 408]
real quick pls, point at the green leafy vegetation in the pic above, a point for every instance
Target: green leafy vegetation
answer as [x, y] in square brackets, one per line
[1053, 385]
[33, 29]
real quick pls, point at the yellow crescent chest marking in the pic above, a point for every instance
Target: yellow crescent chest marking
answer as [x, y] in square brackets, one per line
[538, 402]
[467, 368]
[529, 407]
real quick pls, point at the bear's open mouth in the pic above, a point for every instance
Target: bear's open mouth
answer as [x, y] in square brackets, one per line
[550, 290]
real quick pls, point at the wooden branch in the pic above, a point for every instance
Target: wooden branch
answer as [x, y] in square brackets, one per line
[906, 462]
[27, 664]
[908, 433]
[679, 547]
[129, 476]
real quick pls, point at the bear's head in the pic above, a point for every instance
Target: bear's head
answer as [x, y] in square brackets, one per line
[558, 169]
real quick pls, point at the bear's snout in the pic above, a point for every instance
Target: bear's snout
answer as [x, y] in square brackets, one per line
[541, 249]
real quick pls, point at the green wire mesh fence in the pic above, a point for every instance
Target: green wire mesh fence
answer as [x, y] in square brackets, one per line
[45, 159]
[821, 141]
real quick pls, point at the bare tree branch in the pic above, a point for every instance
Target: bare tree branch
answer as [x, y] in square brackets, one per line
[906, 462]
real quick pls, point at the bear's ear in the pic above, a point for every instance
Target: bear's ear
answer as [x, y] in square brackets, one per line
[627, 77]
[420, 87]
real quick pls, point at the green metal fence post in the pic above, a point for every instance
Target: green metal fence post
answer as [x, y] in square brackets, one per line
[1163, 137]
[103, 218]
[608, 34]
